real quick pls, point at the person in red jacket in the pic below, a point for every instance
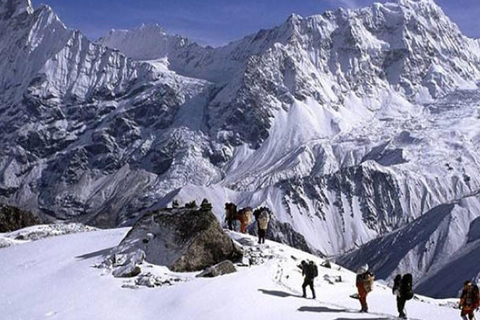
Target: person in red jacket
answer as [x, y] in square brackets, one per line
[364, 286]
[469, 300]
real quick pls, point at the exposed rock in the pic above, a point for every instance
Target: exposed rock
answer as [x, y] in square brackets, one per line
[284, 233]
[224, 267]
[125, 265]
[50, 230]
[136, 257]
[146, 280]
[128, 271]
[12, 219]
[183, 239]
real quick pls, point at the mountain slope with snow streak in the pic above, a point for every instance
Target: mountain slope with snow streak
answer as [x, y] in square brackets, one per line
[58, 281]
[444, 237]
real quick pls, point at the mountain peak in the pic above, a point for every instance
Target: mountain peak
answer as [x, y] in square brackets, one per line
[420, 5]
[13, 8]
[414, 2]
[152, 28]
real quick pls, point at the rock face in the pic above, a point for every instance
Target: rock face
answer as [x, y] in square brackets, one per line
[284, 233]
[183, 239]
[12, 219]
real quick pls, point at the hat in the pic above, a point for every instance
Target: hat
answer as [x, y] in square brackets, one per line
[362, 269]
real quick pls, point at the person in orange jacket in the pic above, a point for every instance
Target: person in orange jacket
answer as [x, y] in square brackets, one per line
[364, 285]
[469, 300]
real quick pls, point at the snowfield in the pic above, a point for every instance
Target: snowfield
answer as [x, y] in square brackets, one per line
[55, 278]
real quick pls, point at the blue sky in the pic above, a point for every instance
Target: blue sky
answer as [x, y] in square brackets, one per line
[217, 22]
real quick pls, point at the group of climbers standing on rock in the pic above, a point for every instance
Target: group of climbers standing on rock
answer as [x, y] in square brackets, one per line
[262, 216]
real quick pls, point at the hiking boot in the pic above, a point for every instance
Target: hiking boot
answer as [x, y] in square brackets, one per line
[402, 316]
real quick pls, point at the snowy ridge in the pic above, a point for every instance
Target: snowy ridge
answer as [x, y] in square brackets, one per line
[145, 42]
[63, 66]
[271, 288]
[349, 125]
[41, 232]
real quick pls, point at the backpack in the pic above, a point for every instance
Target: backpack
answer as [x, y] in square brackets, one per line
[470, 296]
[314, 269]
[367, 279]
[476, 298]
[263, 219]
[396, 284]
[406, 287]
[311, 270]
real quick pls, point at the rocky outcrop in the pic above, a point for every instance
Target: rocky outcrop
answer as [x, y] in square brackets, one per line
[12, 219]
[183, 239]
[125, 265]
[224, 267]
[128, 271]
[284, 233]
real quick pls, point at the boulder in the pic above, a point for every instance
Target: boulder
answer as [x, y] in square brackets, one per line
[183, 239]
[224, 267]
[127, 271]
[125, 265]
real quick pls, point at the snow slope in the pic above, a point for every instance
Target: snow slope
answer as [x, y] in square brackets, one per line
[53, 278]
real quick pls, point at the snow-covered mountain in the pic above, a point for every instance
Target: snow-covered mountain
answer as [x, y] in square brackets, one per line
[58, 281]
[443, 244]
[349, 125]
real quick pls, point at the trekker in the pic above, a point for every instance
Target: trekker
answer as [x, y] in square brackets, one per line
[310, 272]
[245, 217]
[230, 215]
[403, 289]
[262, 215]
[469, 301]
[364, 285]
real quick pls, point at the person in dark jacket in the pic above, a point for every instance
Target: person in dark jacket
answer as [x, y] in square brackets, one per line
[469, 300]
[402, 288]
[262, 216]
[309, 271]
